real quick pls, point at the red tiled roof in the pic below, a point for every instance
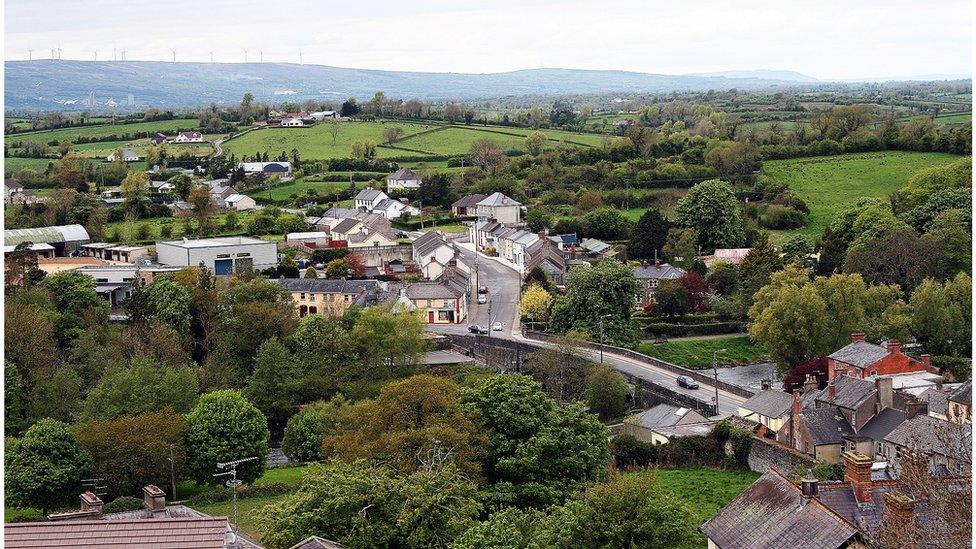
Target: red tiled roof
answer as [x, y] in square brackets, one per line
[183, 533]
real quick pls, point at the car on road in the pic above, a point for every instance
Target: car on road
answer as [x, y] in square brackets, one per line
[687, 382]
[496, 327]
[476, 329]
[482, 298]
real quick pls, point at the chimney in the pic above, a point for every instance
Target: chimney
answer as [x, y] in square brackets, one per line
[899, 509]
[894, 347]
[766, 384]
[810, 384]
[657, 262]
[927, 361]
[885, 393]
[857, 337]
[795, 416]
[831, 391]
[154, 499]
[809, 486]
[858, 473]
[91, 502]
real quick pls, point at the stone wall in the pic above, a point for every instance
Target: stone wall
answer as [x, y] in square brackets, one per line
[766, 453]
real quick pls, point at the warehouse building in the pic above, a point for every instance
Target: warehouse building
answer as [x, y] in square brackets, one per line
[64, 239]
[222, 256]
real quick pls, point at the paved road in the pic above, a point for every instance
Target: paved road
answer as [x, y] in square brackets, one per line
[503, 285]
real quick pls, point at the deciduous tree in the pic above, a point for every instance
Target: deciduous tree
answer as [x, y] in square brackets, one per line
[224, 426]
[44, 468]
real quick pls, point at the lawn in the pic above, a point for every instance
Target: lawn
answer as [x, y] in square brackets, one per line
[71, 134]
[315, 142]
[247, 511]
[697, 353]
[830, 184]
[705, 491]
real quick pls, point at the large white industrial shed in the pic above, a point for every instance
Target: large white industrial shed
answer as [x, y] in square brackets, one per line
[222, 256]
[63, 238]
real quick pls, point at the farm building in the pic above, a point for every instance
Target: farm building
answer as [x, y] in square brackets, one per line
[223, 256]
[324, 115]
[281, 169]
[239, 203]
[403, 179]
[64, 239]
[188, 137]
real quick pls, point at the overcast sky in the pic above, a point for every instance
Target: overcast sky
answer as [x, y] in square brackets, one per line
[828, 39]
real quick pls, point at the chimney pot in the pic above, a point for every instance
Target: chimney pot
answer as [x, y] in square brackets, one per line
[811, 383]
[857, 337]
[810, 486]
[927, 360]
[766, 384]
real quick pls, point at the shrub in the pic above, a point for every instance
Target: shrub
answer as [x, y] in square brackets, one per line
[782, 217]
[123, 504]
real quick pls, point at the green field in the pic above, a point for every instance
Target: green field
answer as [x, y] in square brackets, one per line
[830, 184]
[697, 353]
[11, 164]
[705, 491]
[128, 230]
[955, 119]
[315, 142]
[300, 187]
[71, 134]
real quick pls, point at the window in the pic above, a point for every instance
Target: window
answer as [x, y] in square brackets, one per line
[301, 295]
[879, 449]
[244, 254]
[223, 256]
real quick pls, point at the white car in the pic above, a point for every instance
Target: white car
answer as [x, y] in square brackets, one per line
[482, 298]
[496, 327]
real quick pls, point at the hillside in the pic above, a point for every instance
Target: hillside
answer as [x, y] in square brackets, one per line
[47, 84]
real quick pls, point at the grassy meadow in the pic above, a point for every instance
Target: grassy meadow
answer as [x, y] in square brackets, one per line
[830, 184]
[72, 134]
[697, 353]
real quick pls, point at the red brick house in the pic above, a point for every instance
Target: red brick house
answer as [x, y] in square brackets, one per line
[861, 359]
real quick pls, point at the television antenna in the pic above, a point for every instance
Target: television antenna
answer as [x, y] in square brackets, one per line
[93, 485]
[230, 469]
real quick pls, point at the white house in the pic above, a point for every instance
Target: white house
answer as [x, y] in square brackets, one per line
[239, 203]
[403, 179]
[322, 115]
[162, 186]
[128, 155]
[222, 256]
[368, 198]
[500, 208]
[432, 253]
[368, 237]
[394, 209]
[188, 137]
[292, 122]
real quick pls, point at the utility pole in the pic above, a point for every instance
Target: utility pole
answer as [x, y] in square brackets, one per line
[230, 469]
[245, 56]
[96, 55]
[715, 372]
[300, 60]
[174, 55]
[601, 336]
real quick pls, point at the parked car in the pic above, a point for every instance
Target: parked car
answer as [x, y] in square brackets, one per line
[482, 298]
[687, 382]
[476, 329]
[496, 327]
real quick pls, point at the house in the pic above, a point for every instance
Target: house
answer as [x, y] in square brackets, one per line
[222, 256]
[368, 237]
[319, 296]
[188, 137]
[312, 239]
[161, 187]
[26, 198]
[735, 256]
[394, 209]
[770, 408]
[344, 228]
[650, 277]
[128, 155]
[467, 205]
[500, 208]
[157, 139]
[10, 189]
[65, 239]
[239, 202]
[774, 512]
[943, 443]
[660, 423]
[959, 404]
[862, 359]
[438, 302]
[566, 243]
[219, 195]
[323, 115]
[292, 122]
[403, 179]
[869, 439]
[368, 198]
[315, 542]
[281, 169]
[432, 254]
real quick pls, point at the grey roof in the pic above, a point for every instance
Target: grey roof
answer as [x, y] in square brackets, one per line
[825, 425]
[431, 290]
[933, 435]
[498, 199]
[56, 233]
[662, 415]
[428, 242]
[368, 193]
[849, 392]
[770, 403]
[315, 542]
[403, 173]
[327, 286]
[12, 184]
[938, 400]
[346, 225]
[878, 427]
[658, 272]
[964, 394]
[772, 513]
[860, 353]
[594, 245]
[469, 200]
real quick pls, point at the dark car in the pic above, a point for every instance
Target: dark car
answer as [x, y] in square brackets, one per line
[687, 382]
[475, 329]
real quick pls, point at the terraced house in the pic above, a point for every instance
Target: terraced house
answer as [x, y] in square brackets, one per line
[317, 296]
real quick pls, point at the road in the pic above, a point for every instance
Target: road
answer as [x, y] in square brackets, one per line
[504, 286]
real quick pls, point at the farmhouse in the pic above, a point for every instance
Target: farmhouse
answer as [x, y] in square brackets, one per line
[500, 208]
[127, 155]
[403, 179]
[323, 115]
[188, 137]
[394, 209]
[157, 139]
[292, 122]
[368, 198]
[222, 256]
[239, 202]
[467, 205]
[10, 189]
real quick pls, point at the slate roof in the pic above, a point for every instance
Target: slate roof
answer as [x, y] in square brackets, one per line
[662, 415]
[860, 353]
[315, 542]
[938, 401]
[469, 201]
[11, 184]
[179, 533]
[368, 193]
[428, 242]
[403, 173]
[327, 286]
[849, 392]
[498, 199]
[658, 272]
[773, 513]
[770, 403]
[345, 225]
[431, 290]
[825, 425]
[933, 435]
[964, 394]
[879, 426]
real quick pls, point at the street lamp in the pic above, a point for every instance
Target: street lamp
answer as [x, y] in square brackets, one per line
[601, 336]
[715, 372]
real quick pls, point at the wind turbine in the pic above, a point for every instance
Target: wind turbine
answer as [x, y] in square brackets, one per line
[95, 53]
[174, 56]
[245, 56]
[30, 55]
[211, 57]
[262, 56]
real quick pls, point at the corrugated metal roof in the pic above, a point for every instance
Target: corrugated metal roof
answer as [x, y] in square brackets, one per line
[57, 233]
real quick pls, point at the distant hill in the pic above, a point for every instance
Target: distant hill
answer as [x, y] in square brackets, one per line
[55, 84]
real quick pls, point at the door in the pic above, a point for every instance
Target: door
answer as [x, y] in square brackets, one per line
[430, 317]
[222, 266]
